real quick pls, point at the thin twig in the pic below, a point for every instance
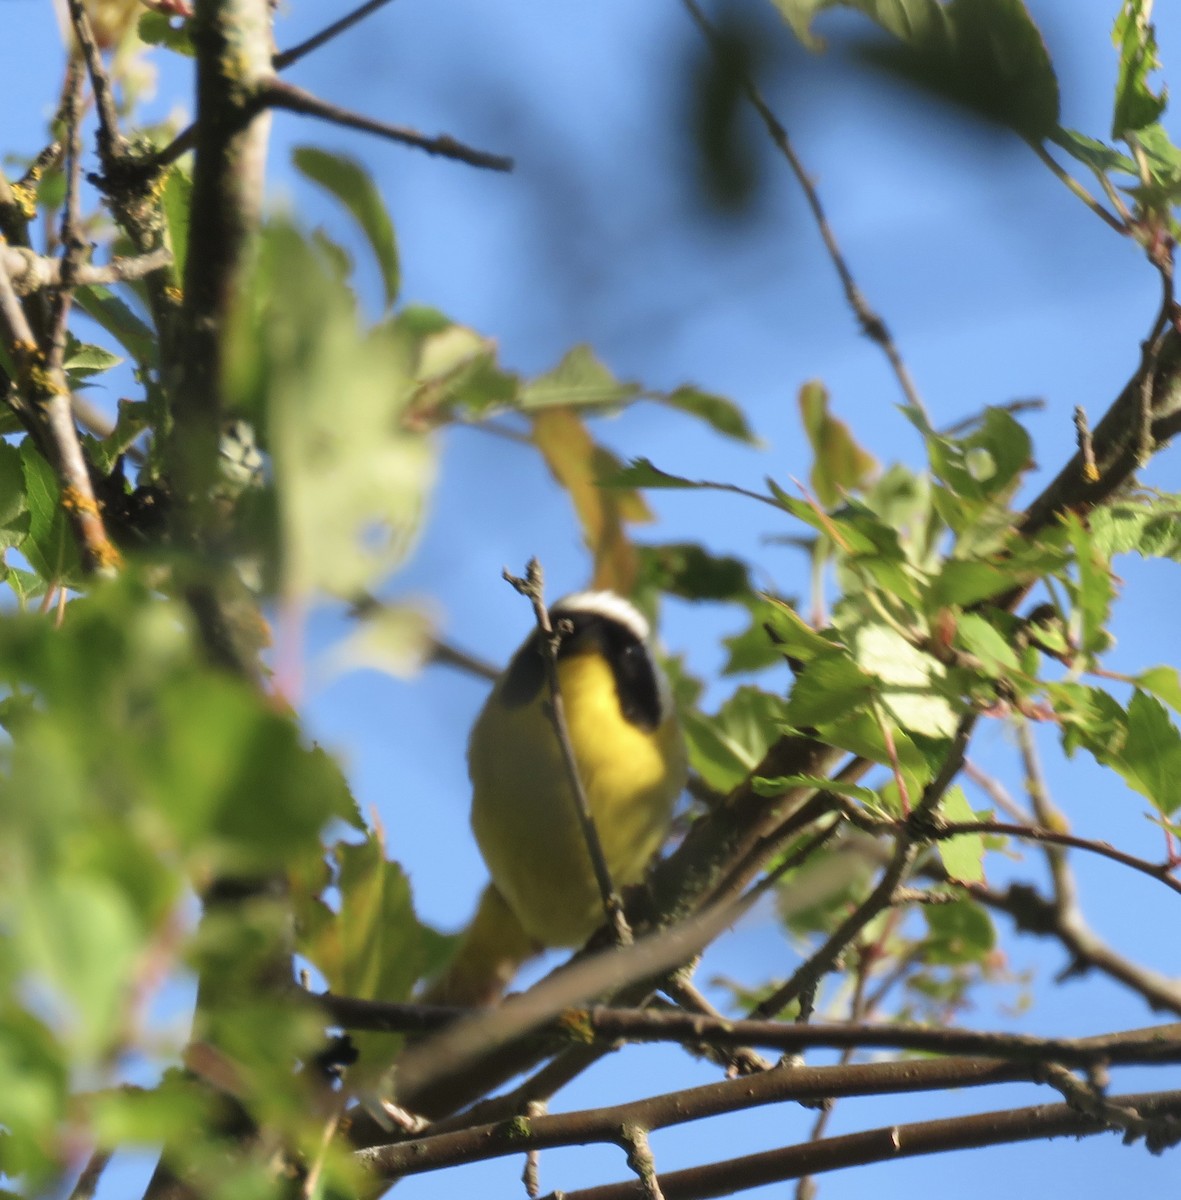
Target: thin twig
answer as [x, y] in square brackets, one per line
[278, 93]
[532, 586]
[1035, 914]
[73, 245]
[88, 1180]
[295, 53]
[872, 325]
[448, 655]
[740, 1060]
[1086, 444]
[809, 974]
[31, 272]
[1077, 188]
[110, 142]
[43, 405]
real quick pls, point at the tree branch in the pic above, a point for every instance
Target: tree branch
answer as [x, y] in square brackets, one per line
[295, 53]
[886, 1144]
[278, 93]
[785, 1083]
[43, 405]
[30, 272]
[872, 325]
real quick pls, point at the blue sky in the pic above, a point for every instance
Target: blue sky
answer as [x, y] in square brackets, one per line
[995, 281]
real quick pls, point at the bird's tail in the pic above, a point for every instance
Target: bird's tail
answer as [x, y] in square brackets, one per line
[490, 951]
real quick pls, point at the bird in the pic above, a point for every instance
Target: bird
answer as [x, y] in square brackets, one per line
[632, 764]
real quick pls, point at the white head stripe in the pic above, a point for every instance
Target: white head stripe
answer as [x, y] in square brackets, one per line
[605, 604]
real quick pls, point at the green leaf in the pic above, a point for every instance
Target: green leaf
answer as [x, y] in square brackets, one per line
[1151, 757]
[82, 360]
[578, 381]
[350, 472]
[394, 638]
[987, 55]
[960, 931]
[157, 29]
[839, 465]
[49, 546]
[911, 685]
[1136, 106]
[777, 632]
[101, 304]
[831, 687]
[1095, 590]
[1097, 155]
[14, 514]
[688, 570]
[963, 855]
[721, 415]
[983, 640]
[640, 473]
[176, 202]
[1149, 526]
[374, 947]
[81, 937]
[1162, 682]
[726, 747]
[783, 783]
[351, 184]
[799, 14]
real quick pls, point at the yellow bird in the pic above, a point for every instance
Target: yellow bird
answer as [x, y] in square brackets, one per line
[631, 761]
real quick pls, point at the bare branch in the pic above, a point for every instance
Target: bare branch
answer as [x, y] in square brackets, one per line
[295, 53]
[872, 325]
[110, 142]
[43, 406]
[30, 272]
[1035, 914]
[887, 1144]
[278, 93]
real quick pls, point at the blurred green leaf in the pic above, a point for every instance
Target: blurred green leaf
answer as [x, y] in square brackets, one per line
[176, 202]
[912, 685]
[721, 415]
[724, 748]
[963, 855]
[580, 380]
[14, 515]
[641, 473]
[49, 546]
[960, 931]
[82, 360]
[1095, 590]
[1097, 155]
[350, 476]
[688, 570]
[839, 465]
[351, 184]
[986, 55]
[373, 947]
[983, 640]
[831, 687]
[1162, 682]
[80, 938]
[111, 313]
[157, 29]
[1150, 760]
[1133, 35]
[394, 638]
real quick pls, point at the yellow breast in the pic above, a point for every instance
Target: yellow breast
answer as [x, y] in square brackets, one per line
[523, 813]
